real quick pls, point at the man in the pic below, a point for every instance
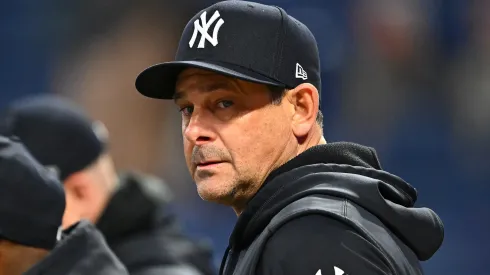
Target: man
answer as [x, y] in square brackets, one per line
[32, 202]
[22, 213]
[247, 82]
[131, 214]
[60, 136]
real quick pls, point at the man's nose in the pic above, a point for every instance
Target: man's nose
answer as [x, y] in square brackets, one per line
[199, 131]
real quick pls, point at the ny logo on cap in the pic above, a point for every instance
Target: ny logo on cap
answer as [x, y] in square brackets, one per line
[203, 30]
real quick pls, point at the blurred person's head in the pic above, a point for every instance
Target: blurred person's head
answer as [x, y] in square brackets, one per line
[32, 203]
[248, 95]
[479, 22]
[62, 137]
[392, 29]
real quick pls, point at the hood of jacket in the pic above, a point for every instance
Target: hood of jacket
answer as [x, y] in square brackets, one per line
[144, 233]
[349, 171]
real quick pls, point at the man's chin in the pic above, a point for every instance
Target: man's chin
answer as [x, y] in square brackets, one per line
[213, 191]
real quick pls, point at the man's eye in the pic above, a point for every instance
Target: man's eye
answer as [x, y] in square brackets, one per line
[187, 111]
[225, 104]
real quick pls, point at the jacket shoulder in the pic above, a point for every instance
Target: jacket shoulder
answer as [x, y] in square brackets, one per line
[315, 242]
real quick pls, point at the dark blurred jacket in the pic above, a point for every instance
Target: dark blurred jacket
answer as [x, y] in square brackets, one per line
[145, 236]
[82, 251]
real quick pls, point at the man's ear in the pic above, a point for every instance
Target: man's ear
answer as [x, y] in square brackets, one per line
[305, 100]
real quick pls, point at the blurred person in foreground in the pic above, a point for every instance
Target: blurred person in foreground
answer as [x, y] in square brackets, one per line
[32, 203]
[129, 208]
[247, 82]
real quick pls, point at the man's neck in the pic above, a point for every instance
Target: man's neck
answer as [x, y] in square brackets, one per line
[315, 138]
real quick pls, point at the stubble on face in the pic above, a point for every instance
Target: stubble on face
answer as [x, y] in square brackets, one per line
[251, 143]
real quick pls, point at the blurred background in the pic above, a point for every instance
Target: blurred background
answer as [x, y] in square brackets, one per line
[408, 77]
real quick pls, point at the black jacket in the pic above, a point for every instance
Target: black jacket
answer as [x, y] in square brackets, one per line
[316, 244]
[145, 236]
[82, 251]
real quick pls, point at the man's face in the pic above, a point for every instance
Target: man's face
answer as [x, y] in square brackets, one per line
[89, 191]
[233, 136]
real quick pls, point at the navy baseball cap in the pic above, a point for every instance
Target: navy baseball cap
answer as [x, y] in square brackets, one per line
[57, 132]
[32, 199]
[245, 40]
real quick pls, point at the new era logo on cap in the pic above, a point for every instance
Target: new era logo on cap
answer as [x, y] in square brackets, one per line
[201, 26]
[300, 72]
[245, 40]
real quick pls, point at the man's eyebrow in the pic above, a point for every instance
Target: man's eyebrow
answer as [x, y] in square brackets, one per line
[222, 85]
[177, 95]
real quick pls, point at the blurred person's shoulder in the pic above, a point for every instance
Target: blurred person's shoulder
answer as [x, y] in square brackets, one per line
[143, 231]
[83, 250]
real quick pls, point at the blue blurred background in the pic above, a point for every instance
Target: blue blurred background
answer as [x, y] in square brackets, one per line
[408, 77]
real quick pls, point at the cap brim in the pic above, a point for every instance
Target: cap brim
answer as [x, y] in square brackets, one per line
[158, 81]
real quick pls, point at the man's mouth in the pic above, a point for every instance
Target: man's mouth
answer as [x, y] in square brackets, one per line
[208, 164]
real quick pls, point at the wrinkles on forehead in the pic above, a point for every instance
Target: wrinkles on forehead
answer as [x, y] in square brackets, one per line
[203, 81]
